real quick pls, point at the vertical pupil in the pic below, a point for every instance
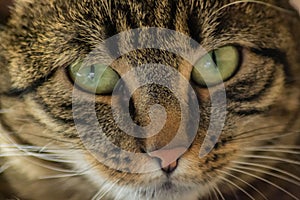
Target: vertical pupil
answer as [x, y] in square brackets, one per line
[92, 72]
[214, 58]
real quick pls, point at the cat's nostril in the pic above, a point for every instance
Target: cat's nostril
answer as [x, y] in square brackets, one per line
[168, 159]
[170, 168]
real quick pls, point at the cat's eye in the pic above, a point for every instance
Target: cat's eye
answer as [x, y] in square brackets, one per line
[217, 66]
[97, 78]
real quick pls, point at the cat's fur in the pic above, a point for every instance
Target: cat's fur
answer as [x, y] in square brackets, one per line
[42, 38]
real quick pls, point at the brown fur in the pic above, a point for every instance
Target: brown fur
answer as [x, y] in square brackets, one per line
[42, 38]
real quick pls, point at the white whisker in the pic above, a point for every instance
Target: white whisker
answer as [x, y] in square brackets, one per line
[45, 157]
[269, 173]
[268, 167]
[4, 167]
[68, 175]
[118, 196]
[209, 195]
[40, 164]
[215, 193]
[272, 150]
[58, 176]
[216, 189]
[272, 158]
[220, 193]
[290, 147]
[52, 167]
[3, 111]
[238, 187]
[258, 130]
[45, 147]
[254, 1]
[98, 197]
[61, 157]
[43, 153]
[248, 184]
[95, 197]
[264, 136]
[19, 151]
[264, 180]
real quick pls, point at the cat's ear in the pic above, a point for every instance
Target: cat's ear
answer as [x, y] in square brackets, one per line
[5, 6]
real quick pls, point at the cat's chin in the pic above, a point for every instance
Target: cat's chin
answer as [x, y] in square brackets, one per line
[154, 186]
[165, 191]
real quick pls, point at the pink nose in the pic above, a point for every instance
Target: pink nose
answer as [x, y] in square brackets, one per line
[168, 158]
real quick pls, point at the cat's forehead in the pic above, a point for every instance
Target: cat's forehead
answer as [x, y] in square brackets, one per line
[61, 31]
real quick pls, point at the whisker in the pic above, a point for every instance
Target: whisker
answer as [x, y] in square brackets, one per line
[59, 156]
[271, 150]
[4, 167]
[248, 184]
[79, 173]
[289, 147]
[3, 111]
[52, 167]
[259, 129]
[58, 176]
[269, 173]
[219, 192]
[216, 189]
[211, 189]
[215, 193]
[16, 146]
[95, 197]
[118, 196]
[255, 1]
[234, 192]
[238, 187]
[35, 148]
[99, 192]
[25, 154]
[272, 158]
[98, 197]
[49, 138]
[264, 180]
[45, 157]
[260, 136]
[209, 194]
[43, 149]
[268, 167]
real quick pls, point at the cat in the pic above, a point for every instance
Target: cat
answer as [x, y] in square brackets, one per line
[53, 52]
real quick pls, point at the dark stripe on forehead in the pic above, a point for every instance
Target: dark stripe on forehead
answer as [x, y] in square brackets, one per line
[152, 13]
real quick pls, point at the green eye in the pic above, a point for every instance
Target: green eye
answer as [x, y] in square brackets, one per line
[97, 78]
[217, 66]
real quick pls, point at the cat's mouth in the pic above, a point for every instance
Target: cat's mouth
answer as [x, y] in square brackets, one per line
[169, 189]
[168, 185]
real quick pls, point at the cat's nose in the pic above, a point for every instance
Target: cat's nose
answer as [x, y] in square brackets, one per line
[168, 158]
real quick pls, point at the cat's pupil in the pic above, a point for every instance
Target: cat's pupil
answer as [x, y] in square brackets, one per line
[92, 72]
[214, 58]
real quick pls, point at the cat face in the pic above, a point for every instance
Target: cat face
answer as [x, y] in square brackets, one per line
[56, 115]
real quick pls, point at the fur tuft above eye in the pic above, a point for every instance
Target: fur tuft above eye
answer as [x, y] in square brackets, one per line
[216, 66]
[96, 78]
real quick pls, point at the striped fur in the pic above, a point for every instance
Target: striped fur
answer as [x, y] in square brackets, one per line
[42, 155]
